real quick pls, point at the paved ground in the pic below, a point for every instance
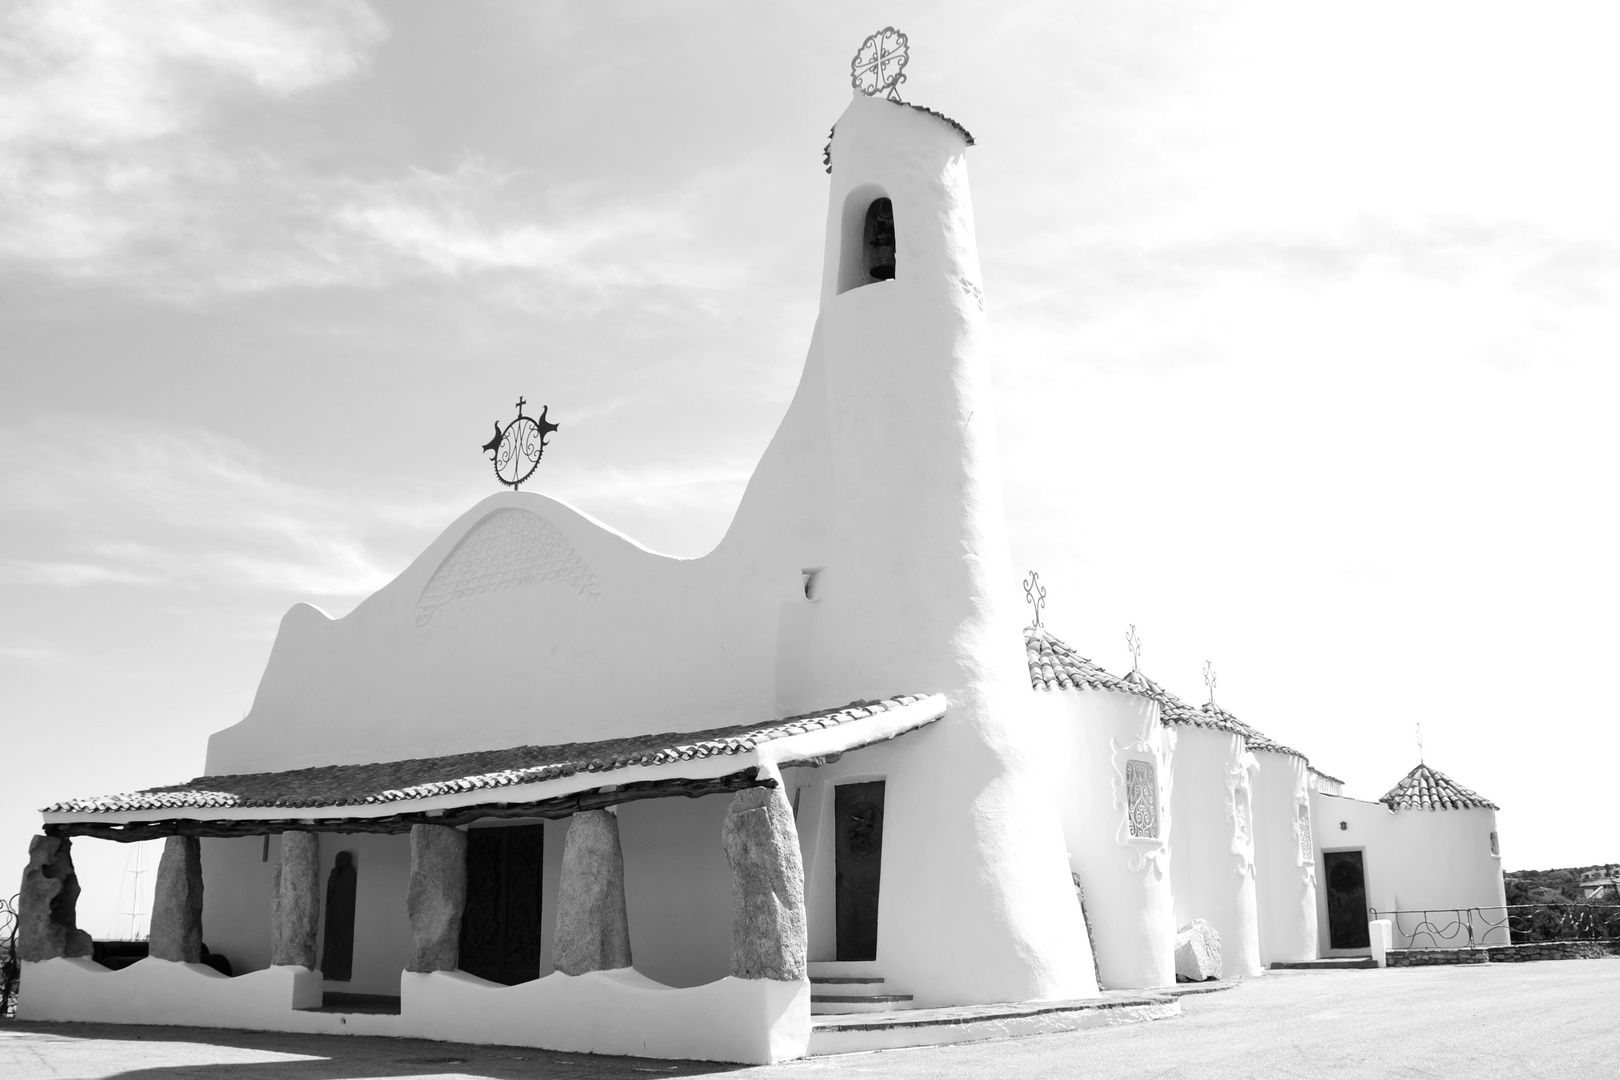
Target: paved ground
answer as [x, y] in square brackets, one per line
[1478, 1022]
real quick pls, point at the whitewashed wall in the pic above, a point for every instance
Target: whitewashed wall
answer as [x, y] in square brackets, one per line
[1284, 859]
[1212, 843]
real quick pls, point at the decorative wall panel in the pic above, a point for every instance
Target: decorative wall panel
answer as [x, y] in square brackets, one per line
[509, 549]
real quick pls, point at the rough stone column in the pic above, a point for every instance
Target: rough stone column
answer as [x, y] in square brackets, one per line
[177, 903]
[593, 932]
[437, 895]
[47, 921]
[295, 903]
[769, 935]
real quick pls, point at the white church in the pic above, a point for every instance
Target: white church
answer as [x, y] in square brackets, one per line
[550, 788]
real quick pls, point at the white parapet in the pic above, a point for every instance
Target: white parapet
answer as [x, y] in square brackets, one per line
[153, 991]
[1381, 934]
[757, 1021]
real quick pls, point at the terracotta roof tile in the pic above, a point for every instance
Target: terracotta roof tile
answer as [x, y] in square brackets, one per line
[1430, 789]
[421, 778]
[1055, 666]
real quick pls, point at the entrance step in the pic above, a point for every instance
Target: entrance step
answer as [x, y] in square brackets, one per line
[838, 994]
[1327, 963]
[970, 1023]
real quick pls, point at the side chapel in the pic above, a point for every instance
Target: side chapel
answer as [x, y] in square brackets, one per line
[548, 787]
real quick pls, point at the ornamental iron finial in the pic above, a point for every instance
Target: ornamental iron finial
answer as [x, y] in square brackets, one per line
[1134, 643]
[879, 64]
[1035, 594]
[1209, 679]
[516, 450]
[1420, 741]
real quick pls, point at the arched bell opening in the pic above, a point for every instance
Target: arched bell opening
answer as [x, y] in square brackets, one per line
[868, 241]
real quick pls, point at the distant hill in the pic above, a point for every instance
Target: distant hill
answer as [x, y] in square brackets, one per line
[1560, 886]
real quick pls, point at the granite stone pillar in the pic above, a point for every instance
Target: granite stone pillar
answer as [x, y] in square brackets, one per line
[437, 896]
[295, 901]
[769, 935]
[593, 931]
[47, 920]
[177, 902]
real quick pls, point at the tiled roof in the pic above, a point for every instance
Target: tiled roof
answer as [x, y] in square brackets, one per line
[421, 778]
[1430, 789]
[1055, 666]
[826, 153]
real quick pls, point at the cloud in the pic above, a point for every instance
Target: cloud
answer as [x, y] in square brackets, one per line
[180, 508]
[104, 135]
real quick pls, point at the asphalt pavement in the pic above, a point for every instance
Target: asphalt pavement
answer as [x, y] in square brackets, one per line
[1479, 1022]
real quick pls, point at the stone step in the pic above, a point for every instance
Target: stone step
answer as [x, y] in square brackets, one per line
[1327, 963]
[845, 984]
[843, 969]
[847, 1034]
[840, 1004]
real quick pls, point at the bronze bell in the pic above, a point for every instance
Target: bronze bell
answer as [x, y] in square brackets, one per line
[880, 240]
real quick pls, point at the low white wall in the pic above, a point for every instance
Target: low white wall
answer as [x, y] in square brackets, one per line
[1284, 860]
[619, 1012]
[1413, 859]
[615, 1012]
[1087, 736]
[1211, 841]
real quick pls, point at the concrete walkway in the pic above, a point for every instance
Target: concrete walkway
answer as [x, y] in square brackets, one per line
[1479, 1022]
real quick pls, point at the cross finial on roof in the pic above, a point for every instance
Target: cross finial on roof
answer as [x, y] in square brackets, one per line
[1420, 741]
[1035, 594]
[1209, 679]
[1134, 643]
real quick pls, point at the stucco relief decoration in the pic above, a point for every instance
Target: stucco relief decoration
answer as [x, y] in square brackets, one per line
[1238, 812]
[509, 549]
[1139, 798]
[1142, 799]
[1302, 825]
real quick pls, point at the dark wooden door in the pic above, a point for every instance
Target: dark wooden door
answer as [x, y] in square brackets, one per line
[1346, 900]
[858, 811]
[500, 926]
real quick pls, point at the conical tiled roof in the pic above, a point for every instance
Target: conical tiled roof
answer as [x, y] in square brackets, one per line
[1255, 739]
[1055, 666]
[1430, 789]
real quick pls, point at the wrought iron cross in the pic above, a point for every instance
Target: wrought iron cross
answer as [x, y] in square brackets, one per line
[1420, 741]
[1209, 679]
[1134, 643]
[879, 64]
[1035, 594]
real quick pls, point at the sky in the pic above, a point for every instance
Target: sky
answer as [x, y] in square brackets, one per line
[1304, 337]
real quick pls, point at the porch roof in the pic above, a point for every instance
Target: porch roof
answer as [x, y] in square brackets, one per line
[539, 781]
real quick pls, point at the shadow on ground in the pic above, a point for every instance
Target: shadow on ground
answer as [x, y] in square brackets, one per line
[140, 1052]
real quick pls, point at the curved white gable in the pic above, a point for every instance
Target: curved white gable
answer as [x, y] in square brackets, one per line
[509, 549]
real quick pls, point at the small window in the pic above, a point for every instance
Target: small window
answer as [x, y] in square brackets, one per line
[812, 583]
[1495, 847]
[1142, 799]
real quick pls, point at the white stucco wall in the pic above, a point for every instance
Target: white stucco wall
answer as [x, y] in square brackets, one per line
[1087, 736]
[1284, 859]
[1412, 859]
[1211, 841]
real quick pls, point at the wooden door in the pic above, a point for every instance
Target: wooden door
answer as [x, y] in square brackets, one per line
[500, 926]
[1346, 900]
[858, 850]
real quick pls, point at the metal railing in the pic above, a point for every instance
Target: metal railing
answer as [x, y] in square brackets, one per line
[1516, 924]
[10, 966]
